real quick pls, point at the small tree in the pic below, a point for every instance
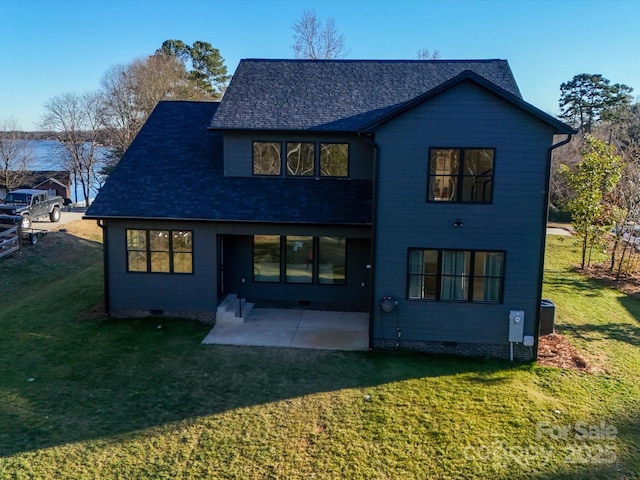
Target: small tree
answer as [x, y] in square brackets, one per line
[16, 156]
[316, 41]
[593, 178]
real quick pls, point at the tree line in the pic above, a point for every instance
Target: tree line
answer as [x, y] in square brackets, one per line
[112, 115]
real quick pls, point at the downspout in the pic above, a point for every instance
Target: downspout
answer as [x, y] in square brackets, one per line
[105, 260]
[372, 255]
[545, 217]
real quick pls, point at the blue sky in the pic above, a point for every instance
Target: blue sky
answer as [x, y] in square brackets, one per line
[50, 47]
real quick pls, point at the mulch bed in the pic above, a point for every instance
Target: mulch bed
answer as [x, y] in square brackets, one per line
[554, 350]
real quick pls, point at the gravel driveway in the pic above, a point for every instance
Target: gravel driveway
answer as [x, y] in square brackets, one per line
[65, 217]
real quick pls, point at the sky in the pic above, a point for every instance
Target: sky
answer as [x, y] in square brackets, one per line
[52, 47]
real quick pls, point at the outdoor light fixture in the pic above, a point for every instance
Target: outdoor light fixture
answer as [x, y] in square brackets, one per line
[458, 223]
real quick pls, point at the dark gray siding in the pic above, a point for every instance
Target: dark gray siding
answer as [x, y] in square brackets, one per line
[238, 151]
[162, 291]
[144, 292]
[464, 116]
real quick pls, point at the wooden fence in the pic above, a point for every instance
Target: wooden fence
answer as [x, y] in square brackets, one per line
[9, 240]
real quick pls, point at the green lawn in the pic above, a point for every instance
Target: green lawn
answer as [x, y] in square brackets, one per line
[88, 398]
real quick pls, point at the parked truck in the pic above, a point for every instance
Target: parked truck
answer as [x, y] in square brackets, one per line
[30, 205]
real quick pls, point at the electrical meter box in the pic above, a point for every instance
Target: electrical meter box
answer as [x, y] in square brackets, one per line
[516, 325]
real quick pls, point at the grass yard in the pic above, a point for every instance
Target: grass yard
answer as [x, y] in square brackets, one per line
[85, 398]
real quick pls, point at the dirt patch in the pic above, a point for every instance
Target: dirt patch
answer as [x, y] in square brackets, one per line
[94, 313]
[554, 350]
[629, 283]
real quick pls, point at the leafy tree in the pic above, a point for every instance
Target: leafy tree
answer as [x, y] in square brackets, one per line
[587, 99]
[316, 41]
[76, 121]
[16, 156]
[593, 178]
[203, 63]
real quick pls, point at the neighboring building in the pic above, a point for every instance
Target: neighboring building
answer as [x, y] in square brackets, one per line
[414, 190]
[56, 182]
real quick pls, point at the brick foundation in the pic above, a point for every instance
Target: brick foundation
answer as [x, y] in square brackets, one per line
[520, 352]
[204, 317]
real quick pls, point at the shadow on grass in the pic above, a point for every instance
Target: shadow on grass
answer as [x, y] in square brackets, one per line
[110, 377]
[616, 331]
[560, 282]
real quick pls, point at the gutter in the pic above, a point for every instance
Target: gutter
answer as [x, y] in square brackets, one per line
[105, 260]
[374, 213]
[543, 240]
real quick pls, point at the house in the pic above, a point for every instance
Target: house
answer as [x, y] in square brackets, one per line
[413, 190]
[56, 182]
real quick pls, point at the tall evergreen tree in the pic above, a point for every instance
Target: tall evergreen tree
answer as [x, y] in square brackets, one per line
[587, 99]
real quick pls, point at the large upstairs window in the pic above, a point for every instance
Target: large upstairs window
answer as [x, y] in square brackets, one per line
[300, 158]
[461, 175]
[334, 159]
[266, 158]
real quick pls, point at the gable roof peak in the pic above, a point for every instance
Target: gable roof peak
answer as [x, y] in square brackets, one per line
[337, 95]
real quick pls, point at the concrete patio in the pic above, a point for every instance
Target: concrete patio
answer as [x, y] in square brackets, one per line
[271, 327]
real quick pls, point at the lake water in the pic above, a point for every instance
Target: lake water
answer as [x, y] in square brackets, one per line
[47, 157]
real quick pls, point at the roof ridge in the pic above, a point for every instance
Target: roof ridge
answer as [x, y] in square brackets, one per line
[367, 60]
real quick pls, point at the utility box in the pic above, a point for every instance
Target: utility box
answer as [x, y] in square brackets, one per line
[516, 325]
[547, 317]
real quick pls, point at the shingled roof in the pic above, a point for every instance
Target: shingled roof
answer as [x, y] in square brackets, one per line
[338, 95]
[174, 170]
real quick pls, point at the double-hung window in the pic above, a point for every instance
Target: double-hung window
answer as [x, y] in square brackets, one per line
[456, 275]
[461, 175]
[160, 251]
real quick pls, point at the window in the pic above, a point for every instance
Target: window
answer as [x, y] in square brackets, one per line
[305, 259]
[461, 175]
[332, 253]
[266, 158]
[456, 275]
[266, 258]
[160, 251]
[300, 159]
[299, 259]
[334, 159]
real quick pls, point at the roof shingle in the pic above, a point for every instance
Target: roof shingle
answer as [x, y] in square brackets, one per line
[337, 95]
[174, 170]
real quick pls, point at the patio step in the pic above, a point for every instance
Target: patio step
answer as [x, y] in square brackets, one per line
[228, 312]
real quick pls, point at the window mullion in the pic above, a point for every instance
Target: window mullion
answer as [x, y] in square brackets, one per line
[170, 251]
[148, 248]
[471, 276]
[439, 276]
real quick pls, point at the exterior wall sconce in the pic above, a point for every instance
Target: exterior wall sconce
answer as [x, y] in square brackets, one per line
[458, 223]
